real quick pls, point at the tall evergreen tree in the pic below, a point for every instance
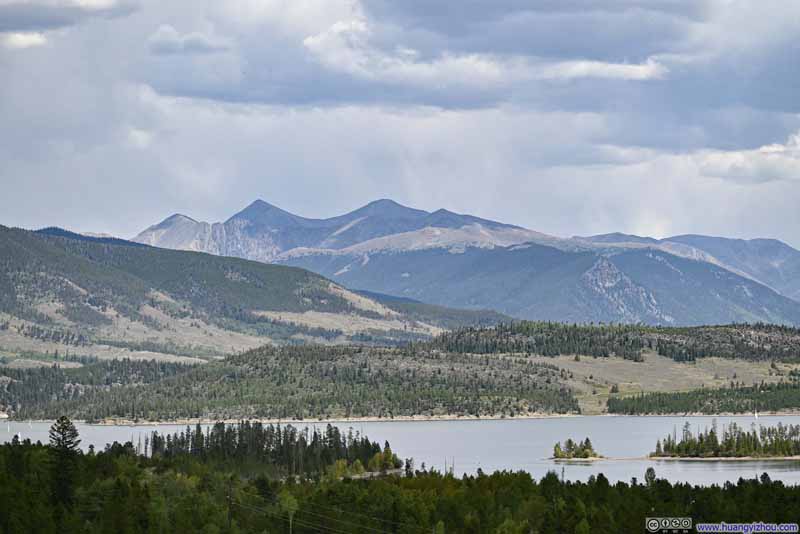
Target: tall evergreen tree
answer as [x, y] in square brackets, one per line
[64, 450]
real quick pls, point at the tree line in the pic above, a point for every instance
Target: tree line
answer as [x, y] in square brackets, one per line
[282, 450]
[49, 488]
[738, 398]
[732, 442]
[54, 335]
[24, 391]
[546, 339]
[758, 342]
[293, 382]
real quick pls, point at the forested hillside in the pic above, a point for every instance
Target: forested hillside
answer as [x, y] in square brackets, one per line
[502, 371]
[745, 341]
[292, 383]
[738, 398]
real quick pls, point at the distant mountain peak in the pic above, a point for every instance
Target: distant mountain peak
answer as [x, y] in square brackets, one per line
[179, 217]
[172, 221]
[618, 237]
[387, 207]
[261, 205]
[261, 213]
[384, 202]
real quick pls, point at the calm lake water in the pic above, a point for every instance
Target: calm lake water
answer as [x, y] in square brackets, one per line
[519, 444]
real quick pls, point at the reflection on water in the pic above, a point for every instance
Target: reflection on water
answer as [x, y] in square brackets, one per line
[515, 444]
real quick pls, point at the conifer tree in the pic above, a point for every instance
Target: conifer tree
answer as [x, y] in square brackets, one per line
[64, 449]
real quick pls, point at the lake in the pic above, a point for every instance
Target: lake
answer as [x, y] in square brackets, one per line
[514, 444]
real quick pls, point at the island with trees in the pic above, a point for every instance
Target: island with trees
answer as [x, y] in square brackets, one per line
[733, 442]
[575, 450]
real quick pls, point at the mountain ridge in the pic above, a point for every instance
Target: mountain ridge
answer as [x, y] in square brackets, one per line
[347, 248]
[262, 231]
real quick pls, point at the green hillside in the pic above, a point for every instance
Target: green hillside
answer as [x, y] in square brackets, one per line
[60, 288]
[291, 382]
[758, 342]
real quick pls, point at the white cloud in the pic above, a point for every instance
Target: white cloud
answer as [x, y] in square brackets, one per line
[774, 162]
[346, 47]
[23, 39]
[95, 4]
[138, 138]
[567, 70]
[167, 40]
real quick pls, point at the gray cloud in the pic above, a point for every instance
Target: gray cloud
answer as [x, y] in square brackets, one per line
[660, 62]
[37, 15]
[606, 29]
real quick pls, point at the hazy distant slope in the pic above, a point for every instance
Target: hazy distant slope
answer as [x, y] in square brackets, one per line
[768, 260]
[451, 259]
[540, 282]
[440, 316]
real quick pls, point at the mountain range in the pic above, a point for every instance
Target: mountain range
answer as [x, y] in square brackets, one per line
[462, 261]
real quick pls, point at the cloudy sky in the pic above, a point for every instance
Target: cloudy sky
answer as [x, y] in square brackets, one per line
[568, 117]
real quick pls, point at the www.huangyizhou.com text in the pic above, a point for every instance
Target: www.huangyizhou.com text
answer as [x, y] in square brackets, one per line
[747, 528]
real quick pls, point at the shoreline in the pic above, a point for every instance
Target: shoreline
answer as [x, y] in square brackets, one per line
[724, 458]
[700, 414]
[376, 419]
[795, 458]
[332, 420]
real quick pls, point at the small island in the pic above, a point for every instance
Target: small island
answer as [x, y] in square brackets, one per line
[571, 450]
[733, 443]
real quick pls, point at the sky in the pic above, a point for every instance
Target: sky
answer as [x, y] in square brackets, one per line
[569, 117]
